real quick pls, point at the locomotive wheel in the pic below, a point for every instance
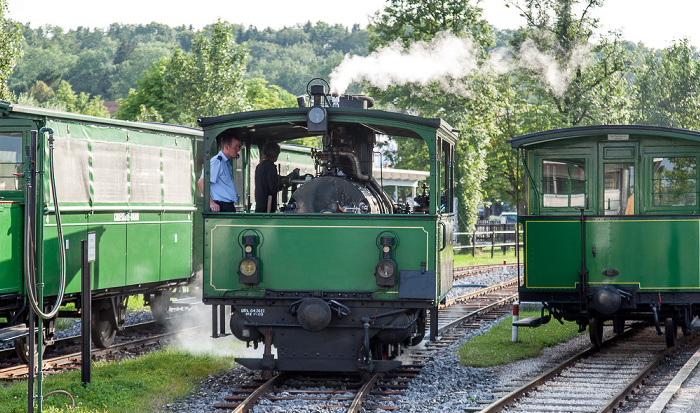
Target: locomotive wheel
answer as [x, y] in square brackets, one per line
[102, 326]
[160, 303]
[595, 331]
[671, 330]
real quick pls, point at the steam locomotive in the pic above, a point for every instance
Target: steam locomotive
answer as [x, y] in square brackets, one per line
[343, 278]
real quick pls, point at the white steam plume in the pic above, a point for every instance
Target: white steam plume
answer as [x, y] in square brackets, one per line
[446, 57]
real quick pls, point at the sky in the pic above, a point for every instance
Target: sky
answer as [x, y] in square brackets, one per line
[656, 23]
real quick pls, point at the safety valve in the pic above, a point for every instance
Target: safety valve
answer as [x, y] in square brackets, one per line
[249, 267]
[385, 271]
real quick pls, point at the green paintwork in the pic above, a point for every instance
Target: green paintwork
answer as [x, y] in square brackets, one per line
[649, 254]
[137, 241]
[335, 253]
[11, 251]
[656, 249]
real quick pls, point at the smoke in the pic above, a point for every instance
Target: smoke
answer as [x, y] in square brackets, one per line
[448, 58]
[547, 69]
[199, 341]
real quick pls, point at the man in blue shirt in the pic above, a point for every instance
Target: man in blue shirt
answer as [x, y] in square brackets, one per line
[222, 189]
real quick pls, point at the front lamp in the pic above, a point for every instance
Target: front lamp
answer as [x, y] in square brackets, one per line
[385, 271]
[249, 266]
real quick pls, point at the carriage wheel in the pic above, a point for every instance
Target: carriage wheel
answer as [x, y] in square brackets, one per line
[22, 349]
[595, 331]
[103, 324]
[671, 330]
[160, 303]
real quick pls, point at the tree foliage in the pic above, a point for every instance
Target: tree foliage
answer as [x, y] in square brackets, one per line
[563, 62]
[10, 49]
[206, 81]
[667, 88]
[467, 105]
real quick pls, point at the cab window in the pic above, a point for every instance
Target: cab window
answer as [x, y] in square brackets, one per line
[563, 183]
[10, 161]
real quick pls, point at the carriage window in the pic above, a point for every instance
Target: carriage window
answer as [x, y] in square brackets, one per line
[675, 181]
[563, 183]
[619, 189]
[10, 161]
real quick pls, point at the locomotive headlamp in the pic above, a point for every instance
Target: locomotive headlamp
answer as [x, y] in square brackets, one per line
[316, 117]
[385, 271]
[249, 266]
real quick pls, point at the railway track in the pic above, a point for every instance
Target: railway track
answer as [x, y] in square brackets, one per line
[595, 380]
[381, 391]
[65, 353]
[462, 272]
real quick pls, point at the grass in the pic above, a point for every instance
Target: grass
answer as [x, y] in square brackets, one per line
[495, 347]
[484, 257]
[135, 385]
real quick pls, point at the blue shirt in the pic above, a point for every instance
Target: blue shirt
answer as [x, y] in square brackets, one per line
[222, 188]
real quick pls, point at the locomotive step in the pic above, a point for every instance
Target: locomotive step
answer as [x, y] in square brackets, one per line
[528, 322]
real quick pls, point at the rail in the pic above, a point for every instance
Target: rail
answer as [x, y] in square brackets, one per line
[504, 238]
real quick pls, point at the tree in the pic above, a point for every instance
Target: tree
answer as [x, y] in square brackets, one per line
[667, 88]
[10, 49]
[206, 81]
[466, 103]
[561, 61]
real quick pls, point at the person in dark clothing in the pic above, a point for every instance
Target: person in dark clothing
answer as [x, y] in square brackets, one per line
[267, 180]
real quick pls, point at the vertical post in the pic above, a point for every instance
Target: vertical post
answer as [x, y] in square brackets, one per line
[493, 239]
[222, 320]
[85, 312]
[214, 320]
[516, 316]
[434, 323]
[474, 242]
[32, 345]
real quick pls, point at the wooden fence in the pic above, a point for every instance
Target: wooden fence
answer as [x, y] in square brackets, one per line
[489, 236]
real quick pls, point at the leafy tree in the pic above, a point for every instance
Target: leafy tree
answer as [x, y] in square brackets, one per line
[563, 63]
[41, 92]
[206, 81]
[467, 105]
[667, 89]
[10, 49]
[260, 95]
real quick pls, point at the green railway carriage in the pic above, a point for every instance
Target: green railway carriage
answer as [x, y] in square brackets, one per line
[611, 226]
[130, 183]
[342, 279]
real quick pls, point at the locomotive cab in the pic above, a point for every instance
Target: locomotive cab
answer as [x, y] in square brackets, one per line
[343, 277]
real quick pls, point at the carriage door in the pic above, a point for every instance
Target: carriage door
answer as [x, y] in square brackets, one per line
[11, 210]
[617, 166]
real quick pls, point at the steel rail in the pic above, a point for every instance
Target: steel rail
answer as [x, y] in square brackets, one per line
[261, 391]
[622, 395]
[76, 358]
[502, 286]
[356, 405]
[511, 398]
